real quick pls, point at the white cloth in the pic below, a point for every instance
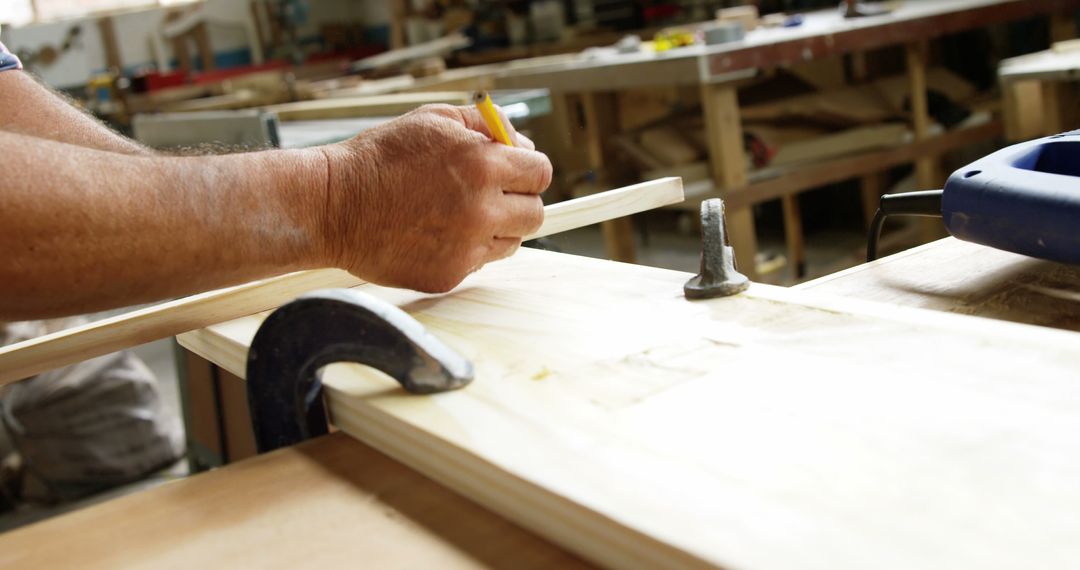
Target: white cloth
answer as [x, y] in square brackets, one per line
[91, 425]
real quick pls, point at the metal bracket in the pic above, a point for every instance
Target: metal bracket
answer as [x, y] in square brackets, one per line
[718, 276]
[336, 325]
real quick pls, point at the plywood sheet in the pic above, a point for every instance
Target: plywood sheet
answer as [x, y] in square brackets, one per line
[968, 279]
[364, 106]
[330, 503]
[776, 429]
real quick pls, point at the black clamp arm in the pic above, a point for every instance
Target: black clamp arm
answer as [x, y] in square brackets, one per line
[336, 325]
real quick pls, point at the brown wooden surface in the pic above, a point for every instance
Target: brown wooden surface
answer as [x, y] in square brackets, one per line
[201, 410]
[329, 503]
[235, 417]
[793, 236]
[885, 31]
[1022, 110]
[727, 162]
[823, 35]
[600, 121]
[848, 167]
[920, 113]
[959, 277]
[364, 106]
[201, 35]
[107, 29]
[1059, 107]
[871, 187]
[1063, 26]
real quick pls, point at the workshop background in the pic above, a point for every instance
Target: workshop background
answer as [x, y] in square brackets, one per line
[822, 138]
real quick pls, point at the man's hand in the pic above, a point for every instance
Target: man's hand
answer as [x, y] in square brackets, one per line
[429, 198]
[419, 203]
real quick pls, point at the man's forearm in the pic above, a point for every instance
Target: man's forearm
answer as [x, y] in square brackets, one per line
[32, 109]
[85, 230]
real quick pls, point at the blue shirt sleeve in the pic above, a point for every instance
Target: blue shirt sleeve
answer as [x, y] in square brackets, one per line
[8, 60]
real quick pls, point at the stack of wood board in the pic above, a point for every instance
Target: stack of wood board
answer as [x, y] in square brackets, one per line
[364, 106]
[773, 429]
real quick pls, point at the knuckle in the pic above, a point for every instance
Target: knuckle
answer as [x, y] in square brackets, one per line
[537, 216]
[510, 250]
[436, 109]
[442, 284]
[476, 216]
[544, 174]
[484, 169]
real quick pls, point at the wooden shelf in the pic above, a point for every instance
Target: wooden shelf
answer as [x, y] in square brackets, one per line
[799, 179]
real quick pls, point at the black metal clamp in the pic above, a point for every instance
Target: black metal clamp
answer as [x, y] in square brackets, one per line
[336, 325]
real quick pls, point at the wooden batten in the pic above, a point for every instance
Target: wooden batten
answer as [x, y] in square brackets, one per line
[25, 359]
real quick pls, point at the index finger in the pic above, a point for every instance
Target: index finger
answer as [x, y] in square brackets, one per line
[472, 119]
[519, 170]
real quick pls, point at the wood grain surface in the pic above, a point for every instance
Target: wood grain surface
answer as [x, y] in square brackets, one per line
[329, 503]
[775, 429]
[364, 106]
[968, 279]
[25, 359]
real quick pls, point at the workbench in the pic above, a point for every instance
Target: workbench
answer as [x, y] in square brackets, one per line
[519, 106]
[716, 71]
[302, 507]
[968, 279]
[1040, 93]
[951, 448]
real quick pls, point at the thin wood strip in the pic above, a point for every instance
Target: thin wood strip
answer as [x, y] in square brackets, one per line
[364, 106]
[25, 359]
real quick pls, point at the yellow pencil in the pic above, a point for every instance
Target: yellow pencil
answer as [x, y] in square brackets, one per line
[491, 117]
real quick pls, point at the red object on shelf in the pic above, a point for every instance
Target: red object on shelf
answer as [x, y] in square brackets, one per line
[216, 75]
[155, 80]
[660, 12]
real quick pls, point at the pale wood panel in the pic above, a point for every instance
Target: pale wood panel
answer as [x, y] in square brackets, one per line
[727, 162]
[25, 359]
[969, 279]
[925, 167]
[367, 106]
[774, 429]
[330, 503]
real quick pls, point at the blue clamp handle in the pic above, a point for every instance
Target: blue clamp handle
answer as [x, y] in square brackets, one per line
[1024, 199]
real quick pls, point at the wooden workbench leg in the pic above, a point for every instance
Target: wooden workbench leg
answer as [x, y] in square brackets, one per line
[1058, 97]
[1023, 112]
[920, 114]
[399, 12]
[927, 168]
[107, 29]
[553, 134]
[1063, 26]
[871, 186]
[600, 123]
[858, 67]
[206, 52]
[727, 161]
[793, 235]
[1057, 105]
